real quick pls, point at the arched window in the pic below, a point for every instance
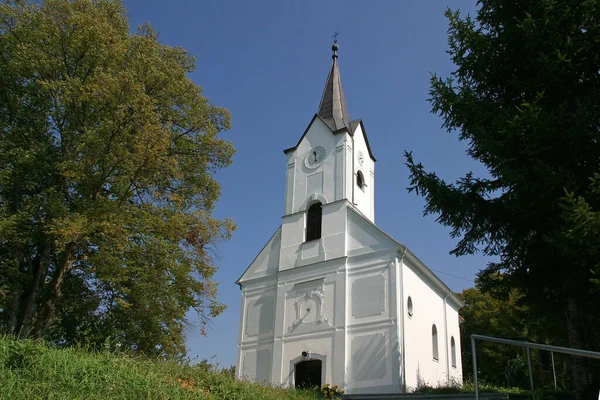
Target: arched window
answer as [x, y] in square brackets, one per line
[360, 180]
[434, 342]
[313, 222]
[453, 351]
[409, 307]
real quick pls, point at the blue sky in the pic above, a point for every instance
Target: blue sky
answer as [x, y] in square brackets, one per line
[267, 62]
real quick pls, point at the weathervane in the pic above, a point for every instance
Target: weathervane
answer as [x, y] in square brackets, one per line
[335, 35]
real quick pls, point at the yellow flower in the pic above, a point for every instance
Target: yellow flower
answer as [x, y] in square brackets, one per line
[335, 387]
[341, 391]
[326, 385]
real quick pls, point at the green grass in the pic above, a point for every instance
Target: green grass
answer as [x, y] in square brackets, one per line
[469, 387]
[514, 392]
[32, 370]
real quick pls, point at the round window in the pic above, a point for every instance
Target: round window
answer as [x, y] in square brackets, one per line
[409, 307]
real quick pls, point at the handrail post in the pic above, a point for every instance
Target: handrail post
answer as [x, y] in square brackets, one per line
[553, 369]
[475, 368]
[530, 373]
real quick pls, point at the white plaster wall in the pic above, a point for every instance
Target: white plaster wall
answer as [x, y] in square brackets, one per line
[372, 348]
[454, 331]
[428, 309]
[257, 325]
[364, 198]
[256, 363]
[295, 252]
[372, 355]
[371, 292]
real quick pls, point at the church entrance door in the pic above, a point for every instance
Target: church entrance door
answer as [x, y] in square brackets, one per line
[308, 374]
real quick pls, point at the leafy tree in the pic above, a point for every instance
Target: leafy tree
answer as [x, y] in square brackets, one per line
[524, 96]
[107, 160]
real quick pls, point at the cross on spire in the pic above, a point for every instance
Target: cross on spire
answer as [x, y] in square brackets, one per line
[335, 46]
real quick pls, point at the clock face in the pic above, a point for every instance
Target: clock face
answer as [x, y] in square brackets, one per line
[361, 158]
[315, 156]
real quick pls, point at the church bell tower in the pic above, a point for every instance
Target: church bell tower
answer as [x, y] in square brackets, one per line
[332, 161]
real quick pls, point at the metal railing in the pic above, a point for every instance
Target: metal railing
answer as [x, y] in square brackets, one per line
[528, 346]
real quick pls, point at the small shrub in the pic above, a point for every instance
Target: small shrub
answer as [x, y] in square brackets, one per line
[329, 392]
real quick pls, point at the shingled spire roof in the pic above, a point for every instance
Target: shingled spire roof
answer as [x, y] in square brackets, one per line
[333, 108]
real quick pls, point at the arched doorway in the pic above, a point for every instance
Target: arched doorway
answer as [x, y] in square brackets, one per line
[307, 373]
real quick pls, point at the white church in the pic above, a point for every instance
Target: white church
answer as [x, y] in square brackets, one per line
[331, 298]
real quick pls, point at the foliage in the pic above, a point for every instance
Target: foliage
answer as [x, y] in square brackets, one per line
[484, 314]
[524, 97]
[509, 318]
[107, 159]
[76, 373]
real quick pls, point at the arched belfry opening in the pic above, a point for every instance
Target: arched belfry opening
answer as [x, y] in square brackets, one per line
[360, 180]
[314, 217]
[307, 374]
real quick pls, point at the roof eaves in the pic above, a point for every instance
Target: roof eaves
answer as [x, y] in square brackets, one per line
[434, 278]
[367, 141]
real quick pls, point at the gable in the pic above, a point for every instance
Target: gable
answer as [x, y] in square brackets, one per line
[352, 128]
[266, 262]
[358, 126]
[315, 123]
[363, 236]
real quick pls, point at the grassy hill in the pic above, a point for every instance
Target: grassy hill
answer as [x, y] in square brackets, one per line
[31, 370]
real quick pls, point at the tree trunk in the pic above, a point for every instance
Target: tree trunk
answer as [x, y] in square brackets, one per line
[47, 310]
[12, 311]
[28, 312]
[575, 323]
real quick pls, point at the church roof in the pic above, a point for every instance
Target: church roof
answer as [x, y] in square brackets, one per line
[333, 108]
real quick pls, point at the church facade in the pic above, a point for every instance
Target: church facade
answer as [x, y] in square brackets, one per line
[331, 298]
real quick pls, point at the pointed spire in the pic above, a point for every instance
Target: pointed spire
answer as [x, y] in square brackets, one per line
[333, 108]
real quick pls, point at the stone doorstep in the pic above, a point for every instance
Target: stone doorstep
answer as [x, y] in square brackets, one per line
[419, 396]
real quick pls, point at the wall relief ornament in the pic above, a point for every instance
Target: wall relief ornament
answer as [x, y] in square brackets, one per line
[309, 312]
